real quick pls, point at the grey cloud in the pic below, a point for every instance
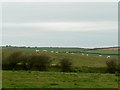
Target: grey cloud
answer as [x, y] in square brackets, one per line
[59, 12]
[42, 12]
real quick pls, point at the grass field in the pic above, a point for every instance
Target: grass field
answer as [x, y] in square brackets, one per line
[114, 52]
[35, 79]
[78, 59]
[62, 50]
[92, 73]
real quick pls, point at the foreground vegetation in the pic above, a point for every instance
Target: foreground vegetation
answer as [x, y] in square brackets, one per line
[36, 79]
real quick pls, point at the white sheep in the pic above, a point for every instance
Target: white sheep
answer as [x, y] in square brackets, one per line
[36, 51]
[82, 53]
[53, 64]
[72, 53]
[108, 56]
[67, 52]
[52, 51]
[86, 54]
[56, 51]
[44, 50]
[100, 55]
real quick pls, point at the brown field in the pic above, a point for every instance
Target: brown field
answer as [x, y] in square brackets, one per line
[110, 48]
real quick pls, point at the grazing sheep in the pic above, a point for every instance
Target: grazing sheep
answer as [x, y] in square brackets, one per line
[36, 51]
[100, 55]
[72, 53]
[83, 54]
[56, 51]
[67, 52]
[44, 50]
[108, 56]
[86, 54]
[51, 51]
[53, 64]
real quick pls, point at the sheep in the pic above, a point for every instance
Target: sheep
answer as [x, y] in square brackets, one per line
[44, 50]
[67, 52]
[53, 64]
[72, 53]
[86, 54]
[36, 51]
[108, 57]
[51, 51]
[56, 51]
[100, 55]
[82, 53]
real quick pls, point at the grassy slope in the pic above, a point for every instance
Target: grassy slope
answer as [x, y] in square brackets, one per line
[78, 59]
[35, 79]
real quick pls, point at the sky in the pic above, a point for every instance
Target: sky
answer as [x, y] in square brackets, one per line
[60, 24]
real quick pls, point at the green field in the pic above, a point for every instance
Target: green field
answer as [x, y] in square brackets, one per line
[36, 79]
[62, 50]
[103, 52]
[77, 58]
[92, 71]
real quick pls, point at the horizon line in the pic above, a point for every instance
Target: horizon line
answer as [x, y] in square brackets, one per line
[58, 46]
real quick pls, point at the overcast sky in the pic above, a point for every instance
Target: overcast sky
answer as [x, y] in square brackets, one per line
[60, 24]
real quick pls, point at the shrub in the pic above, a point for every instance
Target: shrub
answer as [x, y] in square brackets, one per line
[118, 67]
[5, 65]
[66, 65]
[24, 62]
[111, 65]
[40, 62]
[12, 60]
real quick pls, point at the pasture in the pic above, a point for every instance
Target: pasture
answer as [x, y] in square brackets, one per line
[90, 70]
[36, 79]
[79, 60]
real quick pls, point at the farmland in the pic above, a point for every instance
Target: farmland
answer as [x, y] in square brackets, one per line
[93, 60]
[90, 71]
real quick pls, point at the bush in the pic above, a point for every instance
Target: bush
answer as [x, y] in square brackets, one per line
[40, 62]
[118, 67]
[111, 65]
[66, 65]
[24, 62]
[5, 65]
[11, 62]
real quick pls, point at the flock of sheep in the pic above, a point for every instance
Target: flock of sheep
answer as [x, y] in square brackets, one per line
[98, 55]
[68, 53]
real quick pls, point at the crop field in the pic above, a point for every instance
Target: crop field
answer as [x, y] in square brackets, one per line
[92, 70]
